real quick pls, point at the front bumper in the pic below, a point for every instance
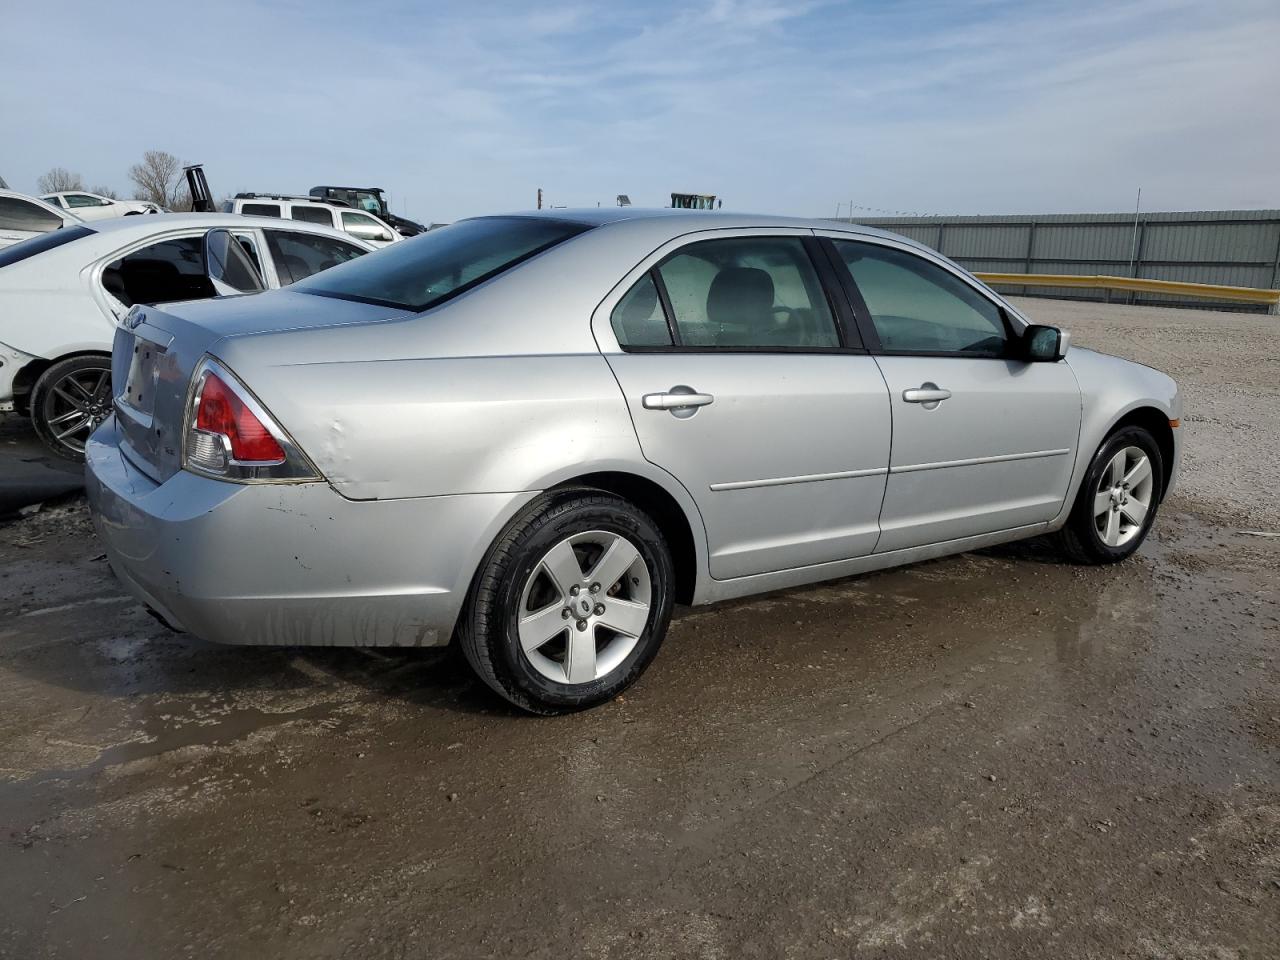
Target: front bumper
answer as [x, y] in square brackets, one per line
[289, 564]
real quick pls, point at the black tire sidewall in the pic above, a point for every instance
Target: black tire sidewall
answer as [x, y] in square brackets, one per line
[45, 383]
[577, 515]
[1082, 519]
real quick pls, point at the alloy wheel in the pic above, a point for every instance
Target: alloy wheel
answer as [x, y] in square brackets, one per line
[1123, 497]
[584, 607]
[75, 404]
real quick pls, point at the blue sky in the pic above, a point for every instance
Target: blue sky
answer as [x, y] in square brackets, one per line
[460, 108]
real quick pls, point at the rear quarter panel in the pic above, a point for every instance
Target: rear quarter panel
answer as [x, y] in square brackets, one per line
[501, 389]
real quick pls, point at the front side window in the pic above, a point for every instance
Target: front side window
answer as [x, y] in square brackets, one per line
[16, 214]
[366, 228]
[160, 273]
[432, 267]
[298, 255]
[261, 210]
[753, 292]
[309, 214]
[918, 307]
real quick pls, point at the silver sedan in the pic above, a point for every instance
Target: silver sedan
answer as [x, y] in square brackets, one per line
[533, 434]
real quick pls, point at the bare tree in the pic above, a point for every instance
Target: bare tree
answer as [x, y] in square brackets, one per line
[105, 192]
[158, 178]
[59, 179]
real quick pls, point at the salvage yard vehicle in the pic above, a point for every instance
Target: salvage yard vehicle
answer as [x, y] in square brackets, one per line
[371, 200]
[63, 293]
[94, 206]
[23, 217]
[366, 226]
[535, 433]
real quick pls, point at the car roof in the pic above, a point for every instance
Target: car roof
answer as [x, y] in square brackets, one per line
[177, 221]
[65, 214]
[680, 221]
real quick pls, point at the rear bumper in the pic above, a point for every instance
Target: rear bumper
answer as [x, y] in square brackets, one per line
[289, 564]
[12, 360]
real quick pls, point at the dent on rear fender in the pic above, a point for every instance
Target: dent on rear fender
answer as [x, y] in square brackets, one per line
[460, 425]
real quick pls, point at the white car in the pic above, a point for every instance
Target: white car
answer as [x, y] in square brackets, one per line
[358, 223]
[93, 206]
[23, 217]
[63, 293]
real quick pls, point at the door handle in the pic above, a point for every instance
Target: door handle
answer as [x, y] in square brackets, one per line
[927, 394]
[680, 400]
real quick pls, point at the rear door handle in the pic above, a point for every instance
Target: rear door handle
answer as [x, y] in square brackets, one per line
[928, 394]
[680, 400]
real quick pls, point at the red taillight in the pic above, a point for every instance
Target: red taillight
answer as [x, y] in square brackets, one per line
[222, 412]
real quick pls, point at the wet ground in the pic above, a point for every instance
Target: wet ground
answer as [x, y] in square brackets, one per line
[993, 755]
[29, 472]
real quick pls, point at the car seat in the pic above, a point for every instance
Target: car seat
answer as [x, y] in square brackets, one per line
[740, 307]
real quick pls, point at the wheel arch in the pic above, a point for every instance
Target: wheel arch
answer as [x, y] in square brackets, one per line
[1156, 423]
[24, 381]
[671, 516]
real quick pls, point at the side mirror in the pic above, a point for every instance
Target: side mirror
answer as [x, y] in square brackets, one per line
[229, 266]
[1044, 344]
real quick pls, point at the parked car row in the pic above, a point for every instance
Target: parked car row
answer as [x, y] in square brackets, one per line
[358, 223]
[533, 434]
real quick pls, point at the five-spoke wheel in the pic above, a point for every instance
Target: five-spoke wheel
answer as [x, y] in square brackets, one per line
[584, 607]
[572, 602]
[1123, 497]
[1118, 498]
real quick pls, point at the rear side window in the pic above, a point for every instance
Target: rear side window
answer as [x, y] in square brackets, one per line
[18, 214]
[261, 210]
[54, 201]
[638, 319]
[312, 214]
[298, 255]
[748, 292]
[160, 273]
[432, 267]
[47, 241]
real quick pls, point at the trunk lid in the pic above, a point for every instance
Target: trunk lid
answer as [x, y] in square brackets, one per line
[156, 351]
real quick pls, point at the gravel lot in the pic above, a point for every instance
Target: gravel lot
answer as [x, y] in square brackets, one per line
[992, 755]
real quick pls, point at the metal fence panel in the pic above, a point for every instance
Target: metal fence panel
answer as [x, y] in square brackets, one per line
[1234, 247]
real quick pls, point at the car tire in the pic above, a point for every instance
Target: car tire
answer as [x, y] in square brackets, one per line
[543, 633]
[1117, 501]
[68, 402]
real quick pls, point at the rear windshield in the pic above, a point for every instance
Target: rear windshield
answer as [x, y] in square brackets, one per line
[46, 241]
[440, 264]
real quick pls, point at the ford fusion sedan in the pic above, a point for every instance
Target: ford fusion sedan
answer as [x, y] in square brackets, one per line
[532, 435]
[62, 294]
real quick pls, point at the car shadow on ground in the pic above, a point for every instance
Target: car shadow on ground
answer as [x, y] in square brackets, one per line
[29, 472]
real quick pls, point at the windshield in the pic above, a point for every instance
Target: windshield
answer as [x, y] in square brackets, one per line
[435, 266]
[46, 241]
